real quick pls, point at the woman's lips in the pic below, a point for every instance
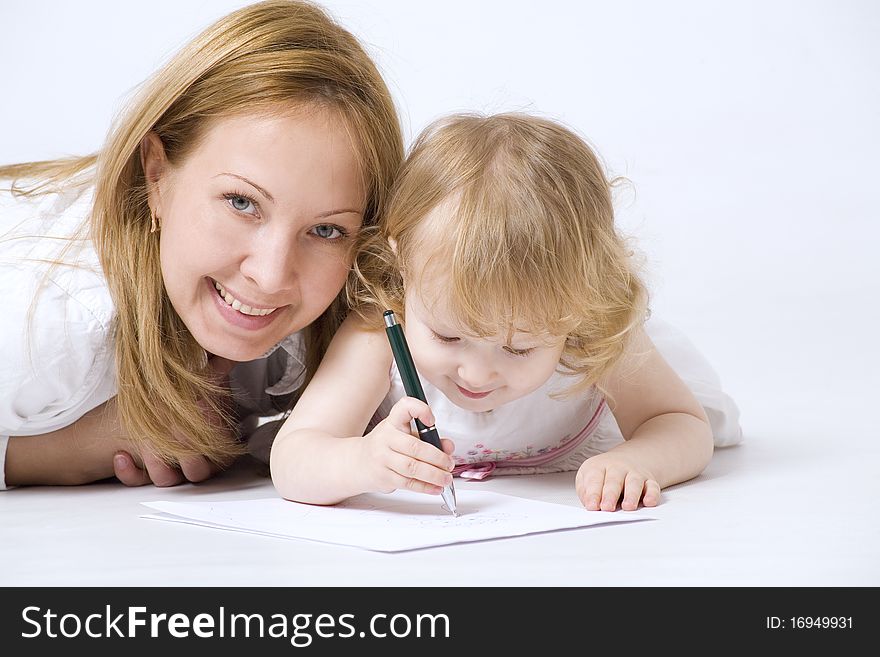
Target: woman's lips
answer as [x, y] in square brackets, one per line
[248, 322]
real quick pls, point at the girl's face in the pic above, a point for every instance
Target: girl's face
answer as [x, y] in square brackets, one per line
[476, 374]
[255, 225]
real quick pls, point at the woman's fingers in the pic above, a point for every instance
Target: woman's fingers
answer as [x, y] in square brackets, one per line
[127, 471]
[155, 471]
[161, 473]
[198, 468]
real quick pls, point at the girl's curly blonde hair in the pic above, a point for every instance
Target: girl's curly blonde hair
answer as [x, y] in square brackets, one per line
[526, 241]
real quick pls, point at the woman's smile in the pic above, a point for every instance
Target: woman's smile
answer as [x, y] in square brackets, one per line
[241, 314]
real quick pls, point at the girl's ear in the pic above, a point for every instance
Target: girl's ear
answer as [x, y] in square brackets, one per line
[393, 244]
[155, 164]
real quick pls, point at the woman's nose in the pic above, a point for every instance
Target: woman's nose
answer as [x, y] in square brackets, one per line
[271, 265]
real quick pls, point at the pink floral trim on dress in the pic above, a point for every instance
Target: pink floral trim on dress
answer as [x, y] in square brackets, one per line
[481, 461]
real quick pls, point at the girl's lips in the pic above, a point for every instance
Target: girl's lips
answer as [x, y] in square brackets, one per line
[473, 395]
[248, 322]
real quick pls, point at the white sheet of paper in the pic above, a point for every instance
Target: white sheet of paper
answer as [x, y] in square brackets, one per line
[390, 523]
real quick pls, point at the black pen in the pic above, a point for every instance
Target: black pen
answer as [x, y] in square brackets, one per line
[413, 387]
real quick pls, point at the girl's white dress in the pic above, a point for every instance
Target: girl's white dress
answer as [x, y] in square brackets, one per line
[539, 433]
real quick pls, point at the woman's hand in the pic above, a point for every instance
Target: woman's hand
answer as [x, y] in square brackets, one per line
[153, 470]
[603, 479]
[148, 468]
[390, 457]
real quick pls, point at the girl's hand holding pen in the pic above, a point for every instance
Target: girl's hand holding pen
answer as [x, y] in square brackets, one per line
[390, 457]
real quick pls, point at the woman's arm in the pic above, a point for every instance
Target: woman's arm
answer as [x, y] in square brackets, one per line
[77, 454]
[667, 434]
[320, 455]
[95, 447]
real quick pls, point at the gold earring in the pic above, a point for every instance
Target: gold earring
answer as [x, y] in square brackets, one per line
[154, 224]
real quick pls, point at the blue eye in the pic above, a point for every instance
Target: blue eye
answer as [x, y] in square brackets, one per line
[241, 203]
[329, 232]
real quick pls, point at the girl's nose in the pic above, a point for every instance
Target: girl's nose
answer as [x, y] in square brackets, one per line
[477, 374]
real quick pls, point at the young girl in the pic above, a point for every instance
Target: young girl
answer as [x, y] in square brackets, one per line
[216, 226]
[527, 324]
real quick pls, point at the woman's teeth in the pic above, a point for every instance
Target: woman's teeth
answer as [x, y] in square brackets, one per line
[244, 309]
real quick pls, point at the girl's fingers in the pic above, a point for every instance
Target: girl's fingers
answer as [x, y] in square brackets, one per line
[410, 446]
[652, 493]
[415, 485]
[408, 409]
[411, 468]
[611, 490]
[634, 486]
[591, 481]
[448, 445]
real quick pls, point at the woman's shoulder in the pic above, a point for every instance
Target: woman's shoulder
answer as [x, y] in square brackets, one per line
[56, 212]
[56, 344]
[56, 330]
[45, 244]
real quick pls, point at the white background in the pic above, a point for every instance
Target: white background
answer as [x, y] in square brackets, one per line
[750, 132]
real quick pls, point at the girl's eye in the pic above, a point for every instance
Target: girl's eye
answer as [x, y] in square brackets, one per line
[443, 338]
[241, 203]
[518, 352]
[329, 232]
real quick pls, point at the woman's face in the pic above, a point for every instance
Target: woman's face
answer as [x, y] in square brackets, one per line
[255, 226]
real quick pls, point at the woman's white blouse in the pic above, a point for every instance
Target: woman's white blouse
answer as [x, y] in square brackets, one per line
[57, 358]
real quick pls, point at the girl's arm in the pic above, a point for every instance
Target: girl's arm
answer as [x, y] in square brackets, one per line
[667, 435]
[320, 455]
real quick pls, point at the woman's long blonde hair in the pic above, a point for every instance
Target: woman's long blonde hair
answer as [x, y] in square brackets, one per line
[526, 240]
[263, 57]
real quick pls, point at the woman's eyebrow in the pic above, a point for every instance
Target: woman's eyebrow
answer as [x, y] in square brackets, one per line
[324, 215]
[249, 182]
[265, 193]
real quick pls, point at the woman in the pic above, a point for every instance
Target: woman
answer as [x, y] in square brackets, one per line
[216, 226]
